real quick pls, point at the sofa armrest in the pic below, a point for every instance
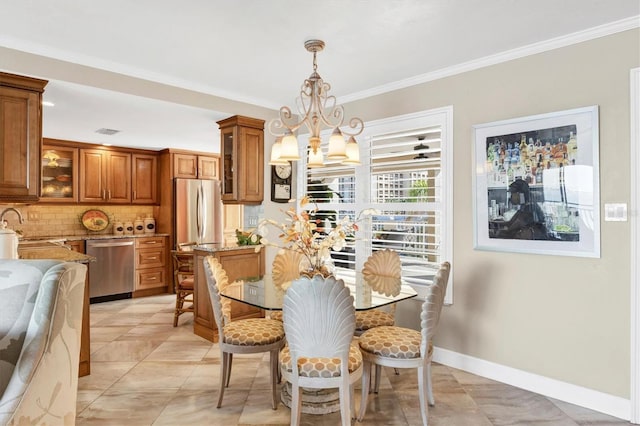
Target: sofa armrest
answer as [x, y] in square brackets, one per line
[43, 386]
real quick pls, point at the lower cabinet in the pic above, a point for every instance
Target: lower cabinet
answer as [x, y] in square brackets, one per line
[238, 263]
[85, 333]
[151, 266]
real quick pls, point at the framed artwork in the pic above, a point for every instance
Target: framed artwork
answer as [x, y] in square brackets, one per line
[536, 184]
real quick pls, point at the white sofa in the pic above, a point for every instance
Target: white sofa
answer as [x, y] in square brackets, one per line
[40, 323]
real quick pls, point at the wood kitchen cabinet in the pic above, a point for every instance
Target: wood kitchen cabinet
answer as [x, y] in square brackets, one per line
[144, 179]
[105, 176]
[20, 137]
[59, 172]
[237, 263]
[150, 266]
[195, 166]
[242, 160]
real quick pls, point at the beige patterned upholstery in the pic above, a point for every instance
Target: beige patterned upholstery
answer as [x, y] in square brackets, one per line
[400, 347]
[40, 321]
[252, 331]
[319, 319]
[320, 366]
[246, 336]
[371, 318]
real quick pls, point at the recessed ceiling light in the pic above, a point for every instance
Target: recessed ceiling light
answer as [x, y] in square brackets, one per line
[47, 103]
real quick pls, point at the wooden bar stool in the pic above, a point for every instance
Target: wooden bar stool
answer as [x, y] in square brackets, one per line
[182, 281]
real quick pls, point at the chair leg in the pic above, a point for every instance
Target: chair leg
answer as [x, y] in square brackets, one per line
[378, 372]
[366, 377]
[430, 397]
[178, 309]
[422, 391]
[296, 404]
[345, 402]
[223, 378]
[273, 362]
[229, 362]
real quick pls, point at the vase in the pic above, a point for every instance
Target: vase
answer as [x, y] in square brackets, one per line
[323, 270]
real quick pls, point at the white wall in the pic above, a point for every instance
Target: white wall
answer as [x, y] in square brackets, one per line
[565, 318]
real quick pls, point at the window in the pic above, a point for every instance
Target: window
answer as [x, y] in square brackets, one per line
[406, 176]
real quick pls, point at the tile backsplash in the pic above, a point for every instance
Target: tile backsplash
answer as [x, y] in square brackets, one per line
[64, 220]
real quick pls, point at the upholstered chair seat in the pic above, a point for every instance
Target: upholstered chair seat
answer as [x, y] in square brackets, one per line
[322, 366]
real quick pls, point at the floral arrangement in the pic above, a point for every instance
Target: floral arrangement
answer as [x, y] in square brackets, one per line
[247, 238]
[302, 233]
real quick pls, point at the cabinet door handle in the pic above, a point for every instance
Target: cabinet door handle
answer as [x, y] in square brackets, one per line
[109, 195]
[152, 258]
[151, 242]
[135, 195]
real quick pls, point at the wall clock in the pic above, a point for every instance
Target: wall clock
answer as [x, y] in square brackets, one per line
[281, 183]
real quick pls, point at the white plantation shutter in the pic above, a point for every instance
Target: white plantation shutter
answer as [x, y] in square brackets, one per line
[403, 177]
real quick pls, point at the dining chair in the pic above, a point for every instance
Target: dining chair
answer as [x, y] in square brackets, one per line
[286, 267]
[319, 321]
[183, 279]
[401, 347]
[246, 336]
[382, 272]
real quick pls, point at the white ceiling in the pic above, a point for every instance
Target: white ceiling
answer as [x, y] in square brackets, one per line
[252, 51]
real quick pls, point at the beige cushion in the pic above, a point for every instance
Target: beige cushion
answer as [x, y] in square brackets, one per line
[372, 318]
[253, 331]
[321, 367]
[392, 342]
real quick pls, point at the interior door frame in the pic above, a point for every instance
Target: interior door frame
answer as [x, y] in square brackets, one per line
[635, 244]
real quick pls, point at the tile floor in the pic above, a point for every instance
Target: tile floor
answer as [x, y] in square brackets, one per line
[146, 372]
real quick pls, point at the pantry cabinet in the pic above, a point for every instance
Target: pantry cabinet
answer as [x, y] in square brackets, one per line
[105, 176]
[20, 137]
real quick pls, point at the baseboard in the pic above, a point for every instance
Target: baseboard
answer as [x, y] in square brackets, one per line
[584, 397]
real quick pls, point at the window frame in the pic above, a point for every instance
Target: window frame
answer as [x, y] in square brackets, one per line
[441, 117]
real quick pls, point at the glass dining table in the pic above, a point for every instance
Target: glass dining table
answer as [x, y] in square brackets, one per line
[262, 292]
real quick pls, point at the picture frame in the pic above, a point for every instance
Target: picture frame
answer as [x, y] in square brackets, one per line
[536, 184]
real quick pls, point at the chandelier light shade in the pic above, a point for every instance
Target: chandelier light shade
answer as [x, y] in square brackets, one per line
[275, 159]
[316, 110]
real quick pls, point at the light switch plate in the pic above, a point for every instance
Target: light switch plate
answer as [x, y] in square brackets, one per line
[615, 212]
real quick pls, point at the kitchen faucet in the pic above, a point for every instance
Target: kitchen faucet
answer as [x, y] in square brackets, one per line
[8, 209]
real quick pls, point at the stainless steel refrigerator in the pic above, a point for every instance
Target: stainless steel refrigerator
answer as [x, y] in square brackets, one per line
[199, 211]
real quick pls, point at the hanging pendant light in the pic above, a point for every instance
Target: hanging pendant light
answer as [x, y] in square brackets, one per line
[316, 108]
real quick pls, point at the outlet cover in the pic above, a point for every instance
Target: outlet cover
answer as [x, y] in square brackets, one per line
[615, 212]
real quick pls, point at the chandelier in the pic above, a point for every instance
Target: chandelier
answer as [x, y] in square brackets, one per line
[317, 109]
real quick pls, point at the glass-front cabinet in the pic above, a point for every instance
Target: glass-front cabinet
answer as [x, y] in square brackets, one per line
[59, 174]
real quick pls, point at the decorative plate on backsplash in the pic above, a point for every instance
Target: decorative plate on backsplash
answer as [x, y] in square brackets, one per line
[95, 220]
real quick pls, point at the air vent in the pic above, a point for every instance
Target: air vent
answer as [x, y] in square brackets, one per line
[108, 132]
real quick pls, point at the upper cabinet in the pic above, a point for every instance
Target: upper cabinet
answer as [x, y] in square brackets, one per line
[242, 155]
[20, 137]
[105, 176]
[144, 178]
[195, 166]
[59, 173]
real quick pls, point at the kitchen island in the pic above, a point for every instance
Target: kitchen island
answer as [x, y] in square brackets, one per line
[57, 251]
[238, 262]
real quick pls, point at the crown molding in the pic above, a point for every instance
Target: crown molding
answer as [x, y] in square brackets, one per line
[531, 49]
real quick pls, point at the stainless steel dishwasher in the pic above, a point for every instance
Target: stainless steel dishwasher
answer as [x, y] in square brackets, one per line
[112, 275]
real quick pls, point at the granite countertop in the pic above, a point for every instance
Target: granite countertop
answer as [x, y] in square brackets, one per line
[212, 248]
[53, 251]
[88, 237]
